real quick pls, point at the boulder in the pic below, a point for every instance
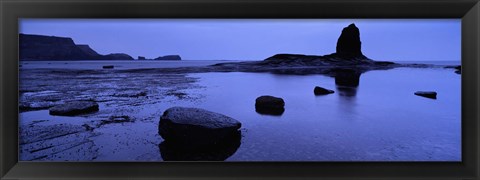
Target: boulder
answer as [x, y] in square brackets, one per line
[195, 127]
[322, 91]
[269, 105]
[74, 108]
[427, 94]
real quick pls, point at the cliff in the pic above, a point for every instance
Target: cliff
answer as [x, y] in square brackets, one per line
[39, 47]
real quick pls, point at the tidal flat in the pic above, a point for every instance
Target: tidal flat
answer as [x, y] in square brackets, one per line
[380, 119]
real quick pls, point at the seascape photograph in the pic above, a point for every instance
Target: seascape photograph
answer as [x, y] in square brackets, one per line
[319, 90]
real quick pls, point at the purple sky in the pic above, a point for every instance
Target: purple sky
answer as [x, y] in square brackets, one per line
[256, 39]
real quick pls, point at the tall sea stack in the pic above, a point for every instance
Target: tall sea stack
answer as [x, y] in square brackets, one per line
[349, 44]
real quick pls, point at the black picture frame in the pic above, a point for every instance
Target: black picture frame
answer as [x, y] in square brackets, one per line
[12, 10]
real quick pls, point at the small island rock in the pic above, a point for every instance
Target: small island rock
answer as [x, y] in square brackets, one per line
[196, 127]
[427, 94]
[169, 57]
[269, 105]
[322, 91]
[74, 108]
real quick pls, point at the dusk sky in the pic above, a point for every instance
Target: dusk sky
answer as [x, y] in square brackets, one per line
[256, 39]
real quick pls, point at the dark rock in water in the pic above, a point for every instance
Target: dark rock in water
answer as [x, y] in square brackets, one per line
[322, 91]
[269, 105]
[169, 57]
[74, 108]
[196, 127]
[349, 43]
[117, 56]
[347, 77]
[171, 151]
[108, 67]
[427, 94]
[458, 69]
[141, 58]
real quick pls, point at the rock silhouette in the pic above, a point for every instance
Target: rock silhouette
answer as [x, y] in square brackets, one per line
[269, 105]
[349, 44]
[169, 57]
[427, 94]
[322, 91]
[39, 47]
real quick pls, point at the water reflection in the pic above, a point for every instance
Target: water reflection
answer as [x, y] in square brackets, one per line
[347, 82]
[171, 151]
[269, 111]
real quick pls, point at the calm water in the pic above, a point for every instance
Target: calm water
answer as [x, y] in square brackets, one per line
[380, 120]
[97, 64]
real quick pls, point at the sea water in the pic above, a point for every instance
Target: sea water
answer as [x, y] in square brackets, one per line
[380, 119]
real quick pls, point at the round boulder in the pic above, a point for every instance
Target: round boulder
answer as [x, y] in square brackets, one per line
[196, 127]
[74, 108]
[322, 91]
[269, 105]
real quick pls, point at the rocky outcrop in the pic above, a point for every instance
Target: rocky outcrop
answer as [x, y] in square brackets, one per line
[141, 58]
[269, 105]
[349, 52]
[36, 47]
[349, 44]
[74, 108]
[169, 57]
[39, 47]
[427, 94]
[322, 91]
[194, 127]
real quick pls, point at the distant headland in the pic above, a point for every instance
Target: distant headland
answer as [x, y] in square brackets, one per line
[40, 47]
